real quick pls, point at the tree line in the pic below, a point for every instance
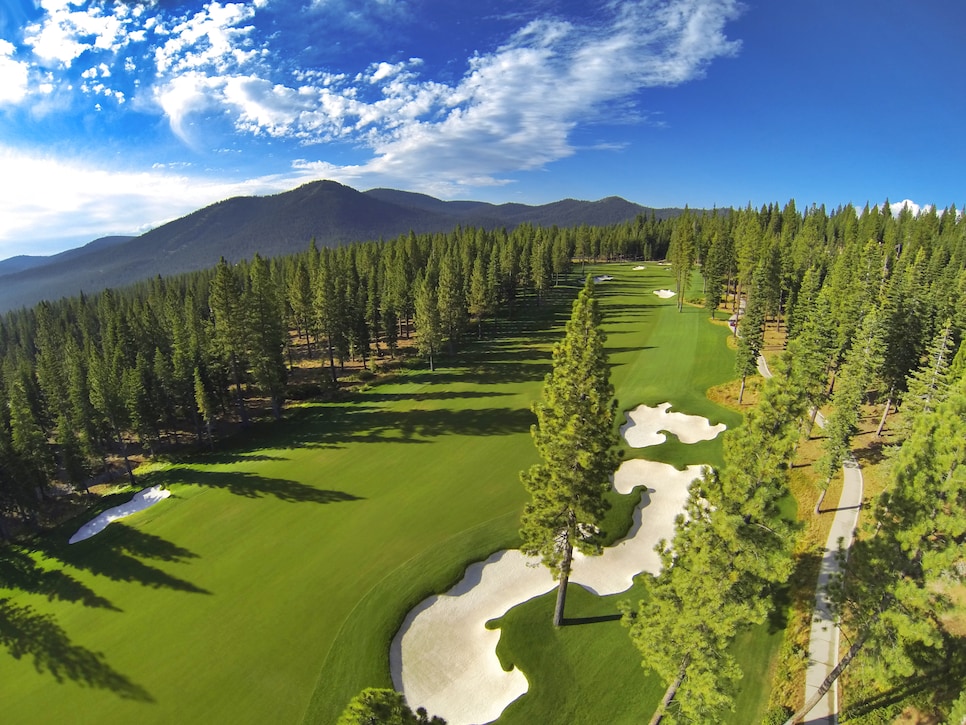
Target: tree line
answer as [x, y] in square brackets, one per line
[873, 312]
[94, 377]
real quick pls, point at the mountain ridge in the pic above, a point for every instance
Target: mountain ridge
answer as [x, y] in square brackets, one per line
[327, 212]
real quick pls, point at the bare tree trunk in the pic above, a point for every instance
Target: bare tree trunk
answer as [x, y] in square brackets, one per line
[827, 682]
[821, 498]
[885, 414]
[558, 610]
[741, 392]
[670, 693]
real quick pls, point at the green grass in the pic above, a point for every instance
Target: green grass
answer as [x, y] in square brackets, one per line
[580, 671]
[268, 587]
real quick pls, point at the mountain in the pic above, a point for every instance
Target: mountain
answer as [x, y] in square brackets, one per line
[24, 261]
[237, 228]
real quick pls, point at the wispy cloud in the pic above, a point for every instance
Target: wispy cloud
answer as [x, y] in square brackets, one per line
[13, 75]
[513, 107]
[68, 202]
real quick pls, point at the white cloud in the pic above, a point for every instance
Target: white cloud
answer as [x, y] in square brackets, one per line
[65, 33]
[208, 39]
[13, 75]
[516, 107]
[49, 204]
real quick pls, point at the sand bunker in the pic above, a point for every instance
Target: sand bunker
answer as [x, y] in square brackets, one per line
[444, 659]
[603, 278]
[664, 293]
[639, 267]
[142, 500]
[644, 422]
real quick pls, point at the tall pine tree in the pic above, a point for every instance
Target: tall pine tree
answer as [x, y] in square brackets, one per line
[577, 443]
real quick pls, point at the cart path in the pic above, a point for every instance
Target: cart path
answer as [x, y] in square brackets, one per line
[823, 643]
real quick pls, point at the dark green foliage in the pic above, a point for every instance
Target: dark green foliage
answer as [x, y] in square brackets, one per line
[374, 706]
[574, 436]
[751, 331]
[732, 546]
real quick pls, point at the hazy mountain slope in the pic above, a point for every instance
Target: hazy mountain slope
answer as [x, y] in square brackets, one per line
[285, 223]
[25, 261]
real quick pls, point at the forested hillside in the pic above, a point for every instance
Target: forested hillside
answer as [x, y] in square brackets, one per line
[328, 213]
[87, 378]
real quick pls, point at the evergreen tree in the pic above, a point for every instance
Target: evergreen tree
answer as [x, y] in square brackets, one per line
[374, 706]
[429, 327]
[575, 438]
[862, 364]
[205, 404]
[329, 310]
[451, 300]
[266, 334]
[893, 595]
[682, 254]
[230, 326]
[300, 302]
[929, 384]
[732, 546]
[751, 333]
[480, 300]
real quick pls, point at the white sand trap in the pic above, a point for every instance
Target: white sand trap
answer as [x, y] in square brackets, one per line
[639, 267]
[644, 422]
[664, 293]
[603, 278]
[142, 500]
[444, 659]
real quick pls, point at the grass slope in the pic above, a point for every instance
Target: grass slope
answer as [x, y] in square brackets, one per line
[267, 588]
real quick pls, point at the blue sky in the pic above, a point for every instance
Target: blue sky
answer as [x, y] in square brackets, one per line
[116, 116]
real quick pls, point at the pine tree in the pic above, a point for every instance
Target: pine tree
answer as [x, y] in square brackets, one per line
[429, 327]
[375, 706]
[266, 334]
[729, 549]
[929, 384]
[862, 364]
[894, 594]
[751, 333]
[682, 253]
[578, 447]
[230, 326]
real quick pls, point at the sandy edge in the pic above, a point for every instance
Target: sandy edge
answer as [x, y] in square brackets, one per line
[644, 423]
[141, 500]
[444, 659]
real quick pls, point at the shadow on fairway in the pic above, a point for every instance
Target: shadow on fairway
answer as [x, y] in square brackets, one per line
[117, 553]
[510, 369]
[252, 485]
[336, 426]
[19, 571]
[571, 621]
[28, 634]
[442, 395]
[228, 456]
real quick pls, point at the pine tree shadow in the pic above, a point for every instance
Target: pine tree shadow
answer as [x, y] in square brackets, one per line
[19, 571]
[28, 634]
[573, 621]
[117, 553]
[251, 485]
[937, 682]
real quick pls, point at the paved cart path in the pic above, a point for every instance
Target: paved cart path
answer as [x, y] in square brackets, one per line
[823, 643]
